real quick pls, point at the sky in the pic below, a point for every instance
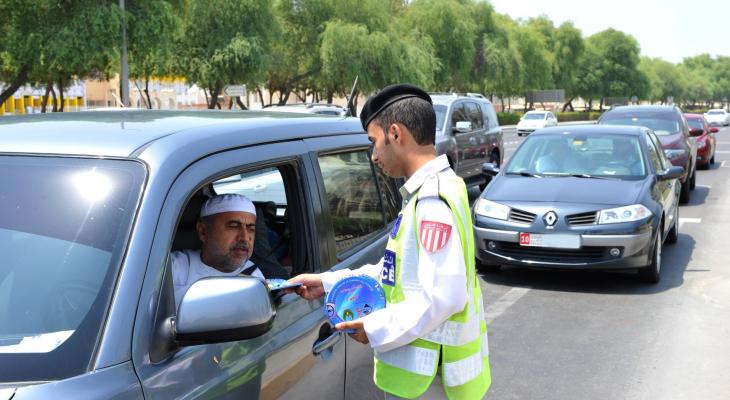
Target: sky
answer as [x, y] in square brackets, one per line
[669, 29]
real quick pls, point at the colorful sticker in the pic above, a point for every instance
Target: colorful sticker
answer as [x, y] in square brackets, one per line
[396, 226]
[434, 235]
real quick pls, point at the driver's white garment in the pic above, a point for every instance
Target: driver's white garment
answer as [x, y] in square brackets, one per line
[187, 268]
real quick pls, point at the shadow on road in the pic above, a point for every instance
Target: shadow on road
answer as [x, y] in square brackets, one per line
[698, 196]
[675, 258]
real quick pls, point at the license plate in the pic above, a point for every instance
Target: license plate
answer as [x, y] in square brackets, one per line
[556, 240]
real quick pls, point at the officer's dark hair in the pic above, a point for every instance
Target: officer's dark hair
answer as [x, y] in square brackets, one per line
[415, 114]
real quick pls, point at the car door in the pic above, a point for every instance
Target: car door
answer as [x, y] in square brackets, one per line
[666, 192]
[300, 357]
[361, 204]
[466, 140]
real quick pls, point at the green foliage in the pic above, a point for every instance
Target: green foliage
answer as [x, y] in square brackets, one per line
[508, 118]
[577, 116]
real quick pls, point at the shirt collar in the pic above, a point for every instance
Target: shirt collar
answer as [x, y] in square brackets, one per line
[415, 182]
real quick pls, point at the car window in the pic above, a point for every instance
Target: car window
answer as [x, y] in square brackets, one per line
[261, 185]
[440, 110]
[458, 114]
[475, 115]
[537, 116]
[617, 156]
[695, 124]
[352, 196]
[661, 124]
[654, 154]
[660, 151]
[64, 226]
[490, 115]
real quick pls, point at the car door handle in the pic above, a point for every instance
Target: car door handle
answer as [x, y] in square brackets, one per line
[330, 341]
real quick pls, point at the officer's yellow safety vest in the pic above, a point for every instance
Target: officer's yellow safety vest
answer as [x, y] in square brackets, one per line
[461, 341]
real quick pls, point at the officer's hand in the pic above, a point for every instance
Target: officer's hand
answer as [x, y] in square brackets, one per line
[311, 288]
[358, 327]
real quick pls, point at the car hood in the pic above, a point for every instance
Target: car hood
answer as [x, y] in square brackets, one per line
[671, 141]
[566, 189]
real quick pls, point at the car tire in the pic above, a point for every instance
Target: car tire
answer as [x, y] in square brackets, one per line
[487, 268]
[693, 180]
[652, 272]
[712, 161]
[674, 232]
[684, 193]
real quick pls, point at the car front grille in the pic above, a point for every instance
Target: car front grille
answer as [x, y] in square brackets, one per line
[583, 218]
[520, 216]
[543, 254]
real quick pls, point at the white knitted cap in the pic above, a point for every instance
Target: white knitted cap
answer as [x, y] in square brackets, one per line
[227, 202]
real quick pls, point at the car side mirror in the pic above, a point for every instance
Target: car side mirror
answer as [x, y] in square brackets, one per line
[463, 126]
[714, 130]
[490, 169]
[670, 173]
[224, 309]
[695, 132]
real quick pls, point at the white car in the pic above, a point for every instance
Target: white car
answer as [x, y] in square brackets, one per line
[533, 120]
[309, 108]
[718, 116]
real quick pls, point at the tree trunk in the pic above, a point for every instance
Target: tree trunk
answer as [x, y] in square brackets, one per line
[330, 95]
[55, 103]
[590, 105]
[600, 105]
[207, 99]
[44, 101]
[19, 81]
[568, 104]
[261, 96]
[214, 91]
[240, 103]
[147, 93]
[60, 93]
[501, 100]
[230, 103]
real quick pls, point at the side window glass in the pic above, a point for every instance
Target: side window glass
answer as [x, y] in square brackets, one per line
[654, 155]
[475, 115]
[353, 198]
[660, 150]
[491, 116]
[389, 195]
[458, 114]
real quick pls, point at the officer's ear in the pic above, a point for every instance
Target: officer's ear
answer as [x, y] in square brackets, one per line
[200, 228]
[396, 133]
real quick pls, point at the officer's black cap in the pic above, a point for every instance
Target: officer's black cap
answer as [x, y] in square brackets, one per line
[389, 95]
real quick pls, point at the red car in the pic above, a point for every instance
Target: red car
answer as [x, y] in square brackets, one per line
[705, 137]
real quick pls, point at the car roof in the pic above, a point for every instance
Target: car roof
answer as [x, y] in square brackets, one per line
[448, 98]
[642, 108]
[537, 112]
[123, 133]
[694, 116]
[593, 130]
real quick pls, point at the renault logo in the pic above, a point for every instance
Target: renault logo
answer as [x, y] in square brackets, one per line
[550, 218]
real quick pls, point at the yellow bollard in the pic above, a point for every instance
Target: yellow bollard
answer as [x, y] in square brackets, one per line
[20, 105]
[2, 108]
[74, 104]
[80, 102]
[28, 101]
[10, 105]
[66, 104]
[37, 101]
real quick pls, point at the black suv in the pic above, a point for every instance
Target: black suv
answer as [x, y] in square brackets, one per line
[672, 129]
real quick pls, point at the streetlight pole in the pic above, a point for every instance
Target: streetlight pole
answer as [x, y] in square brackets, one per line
[124, 73]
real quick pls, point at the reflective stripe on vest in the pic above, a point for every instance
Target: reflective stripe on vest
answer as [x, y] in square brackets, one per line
[411, 358]
[462, 371]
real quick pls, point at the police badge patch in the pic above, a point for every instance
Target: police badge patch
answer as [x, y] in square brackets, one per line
[396, 226]
[387, 274]
[434, 235]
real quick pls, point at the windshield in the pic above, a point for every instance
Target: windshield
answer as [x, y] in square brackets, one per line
[610, 156]
[440, 110]
[695, 124]
[63, 228]
[534, 116]
[661, 124]
[718, 112]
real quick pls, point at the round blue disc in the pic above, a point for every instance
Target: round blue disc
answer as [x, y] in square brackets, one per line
[352, 298]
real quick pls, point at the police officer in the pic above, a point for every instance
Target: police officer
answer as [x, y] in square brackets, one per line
[431, 339]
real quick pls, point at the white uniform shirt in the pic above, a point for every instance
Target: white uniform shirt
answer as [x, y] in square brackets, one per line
[441, 274]
[187, 268]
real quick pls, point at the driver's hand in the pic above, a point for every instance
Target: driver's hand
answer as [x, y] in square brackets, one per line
[311, 288]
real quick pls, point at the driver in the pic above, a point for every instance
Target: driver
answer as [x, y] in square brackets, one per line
[227, 229]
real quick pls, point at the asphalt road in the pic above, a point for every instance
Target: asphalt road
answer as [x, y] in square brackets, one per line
[603, 335]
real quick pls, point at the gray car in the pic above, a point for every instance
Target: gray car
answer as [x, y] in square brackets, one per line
[92, 204]
[468, 132]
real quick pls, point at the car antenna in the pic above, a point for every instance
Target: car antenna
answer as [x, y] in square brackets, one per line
[351, 112]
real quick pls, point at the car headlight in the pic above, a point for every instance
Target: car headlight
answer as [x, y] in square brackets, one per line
[617, 215]
[674, 153]
[488, 208]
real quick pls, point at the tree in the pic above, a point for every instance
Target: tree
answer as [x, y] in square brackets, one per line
[51, 42]
[567, 49]
[665, 80]
[503, 62]
[452, 31]
[227, 43]
[536, 60]
[153, 28]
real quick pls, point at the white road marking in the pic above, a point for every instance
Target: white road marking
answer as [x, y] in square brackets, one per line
[683, 221]
[705, 186]
[722, 151]
[496, 309]
[723, 142]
